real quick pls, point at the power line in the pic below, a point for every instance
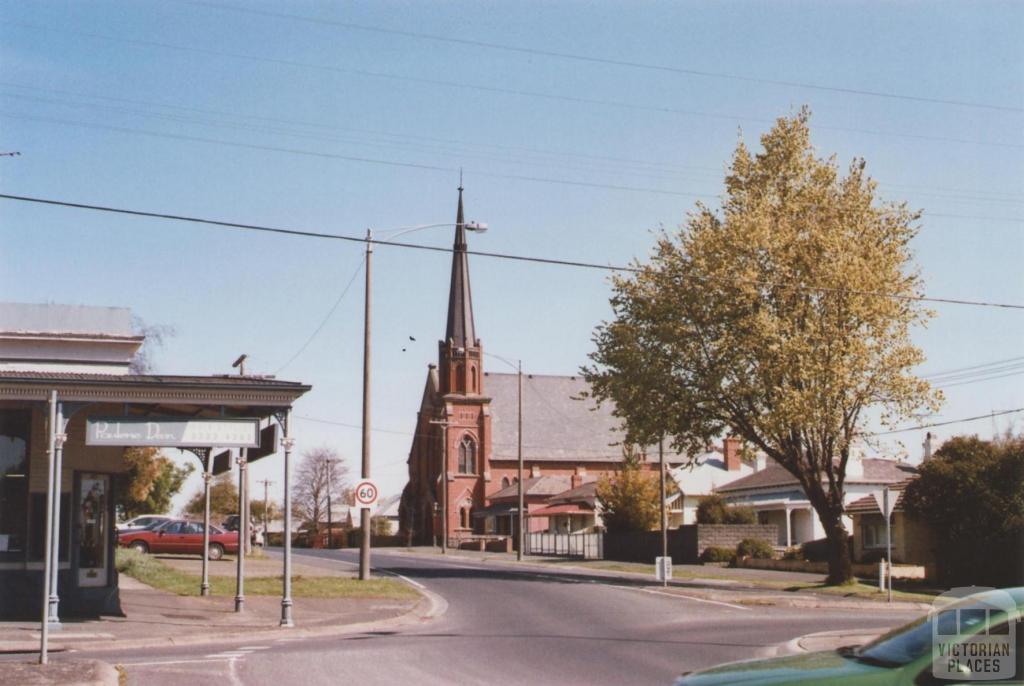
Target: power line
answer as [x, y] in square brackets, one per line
[952, 421]
[977, 366]
[330, 312]
[612, 62]
[490, 88]
[480, 253]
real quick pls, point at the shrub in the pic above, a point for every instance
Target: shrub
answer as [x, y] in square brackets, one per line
[756, 548]
[793, 553]
[714, 510]
[817, 550]
[717, 554]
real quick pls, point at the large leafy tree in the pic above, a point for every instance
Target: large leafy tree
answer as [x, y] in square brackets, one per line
[972, 496]
[783, 318]
[629, 498]
[152, 480]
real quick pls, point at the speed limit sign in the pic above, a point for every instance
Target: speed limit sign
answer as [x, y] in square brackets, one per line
[366, 493]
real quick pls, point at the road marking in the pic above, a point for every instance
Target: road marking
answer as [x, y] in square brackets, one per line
[254, 648]
[171, 662]
[228, 655]
[684, 597]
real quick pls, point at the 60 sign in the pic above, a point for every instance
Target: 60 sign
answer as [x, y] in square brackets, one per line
[366, 493]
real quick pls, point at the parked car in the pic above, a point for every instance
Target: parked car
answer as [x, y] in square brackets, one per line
[179, 536]
[902, 657]
[145, 521]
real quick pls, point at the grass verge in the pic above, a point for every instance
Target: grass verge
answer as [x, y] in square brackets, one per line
[155, 573]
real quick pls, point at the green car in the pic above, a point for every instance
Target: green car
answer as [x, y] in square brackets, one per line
[983, 629]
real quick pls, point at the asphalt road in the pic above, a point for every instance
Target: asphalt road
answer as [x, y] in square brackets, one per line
[503, 626]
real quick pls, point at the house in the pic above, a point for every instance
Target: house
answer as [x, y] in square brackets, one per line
[74, 363]
[708, 471]
[573, 511]
[387, 511]
[468, 428]
[912, 541]
[777, 497]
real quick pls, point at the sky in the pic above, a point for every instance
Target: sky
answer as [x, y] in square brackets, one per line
[581, 129]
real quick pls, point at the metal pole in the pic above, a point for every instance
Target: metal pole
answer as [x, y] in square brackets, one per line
[248, 518]
[330, 538]
[519, 457]
[664, 514]
[888, 538]
[204, 587]
[364, 513]
[59, 439]
[243, 529]
[286, 593]
[44, 634]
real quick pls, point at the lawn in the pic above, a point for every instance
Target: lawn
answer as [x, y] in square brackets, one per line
[155, 573]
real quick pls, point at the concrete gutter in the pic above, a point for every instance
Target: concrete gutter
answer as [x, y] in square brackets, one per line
[65, 673]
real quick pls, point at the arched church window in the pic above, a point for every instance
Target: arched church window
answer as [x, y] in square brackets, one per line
[460, 379]
[505, 483]
[467, 456]
[472, 380]
[466, 517]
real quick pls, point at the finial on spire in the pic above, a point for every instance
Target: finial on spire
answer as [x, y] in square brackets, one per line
[460, 179]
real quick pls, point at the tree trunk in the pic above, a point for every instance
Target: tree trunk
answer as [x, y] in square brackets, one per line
[840, 566]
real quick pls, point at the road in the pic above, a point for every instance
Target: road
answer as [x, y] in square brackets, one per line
[503, 626]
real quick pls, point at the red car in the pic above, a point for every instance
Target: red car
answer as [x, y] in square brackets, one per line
[180, 536]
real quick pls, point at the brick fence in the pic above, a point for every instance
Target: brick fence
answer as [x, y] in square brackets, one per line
[685, 544]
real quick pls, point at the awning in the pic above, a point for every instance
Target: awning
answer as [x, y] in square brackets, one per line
[567, 508]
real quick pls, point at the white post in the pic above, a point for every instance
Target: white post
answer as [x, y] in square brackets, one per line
[881, 576]
[789, 529]
[243, 529]
[888, 538]
[44, 634]
[59, 438]
[204, 586]
[287, 442]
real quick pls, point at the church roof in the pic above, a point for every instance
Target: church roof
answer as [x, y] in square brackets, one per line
[460, 327]
[557, 425]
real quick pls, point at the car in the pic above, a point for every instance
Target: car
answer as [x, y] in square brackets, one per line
[902, 657]
[145, 521]
[179, 536]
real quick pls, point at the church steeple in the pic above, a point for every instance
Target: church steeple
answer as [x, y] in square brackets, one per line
[460, 330]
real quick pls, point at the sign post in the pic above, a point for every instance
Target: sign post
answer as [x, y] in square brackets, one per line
[886, 504]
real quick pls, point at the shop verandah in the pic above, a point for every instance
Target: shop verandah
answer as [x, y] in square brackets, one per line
[43, 431]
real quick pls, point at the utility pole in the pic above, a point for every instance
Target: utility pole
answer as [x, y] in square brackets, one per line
[266, 514]
[519, 455]
[330, 534]
[443, 423]
[364, 513]
[664, 515]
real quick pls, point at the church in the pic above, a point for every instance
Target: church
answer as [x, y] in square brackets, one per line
[467, 428]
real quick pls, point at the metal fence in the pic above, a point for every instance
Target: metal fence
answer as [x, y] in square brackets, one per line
[583, 546]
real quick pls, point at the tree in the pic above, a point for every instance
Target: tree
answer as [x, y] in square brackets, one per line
[155, 336]
[273, 510]
[629, 499]
[223, 498]
[780, 319]
[320, 472]
[971, 494]
[152, 481]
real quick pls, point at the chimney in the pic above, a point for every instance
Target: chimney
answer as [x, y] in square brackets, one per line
[731, 451]
[534, 471]
[577, 481]
[927, 445]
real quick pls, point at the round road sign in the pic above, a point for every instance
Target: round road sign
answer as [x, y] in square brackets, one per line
[366, 493]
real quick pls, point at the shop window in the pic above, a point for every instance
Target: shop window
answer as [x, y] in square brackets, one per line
[15, 427]
[467, 456]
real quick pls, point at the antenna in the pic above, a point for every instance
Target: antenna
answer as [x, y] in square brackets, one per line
[240, 363]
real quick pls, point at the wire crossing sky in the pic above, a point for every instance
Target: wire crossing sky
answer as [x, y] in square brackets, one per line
[581, 133]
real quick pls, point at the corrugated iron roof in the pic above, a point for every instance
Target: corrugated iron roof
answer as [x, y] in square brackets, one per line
[876, 470]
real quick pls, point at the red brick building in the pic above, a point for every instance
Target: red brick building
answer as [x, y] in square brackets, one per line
[468, 418]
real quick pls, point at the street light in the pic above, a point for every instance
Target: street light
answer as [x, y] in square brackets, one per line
[364, 513]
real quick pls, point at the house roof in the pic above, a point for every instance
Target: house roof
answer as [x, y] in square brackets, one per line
[558, 424]
[868, 504]
[706, 473]
[388, 507]
[876, 470]
[538, 485]
[562, 509]
[583, 494]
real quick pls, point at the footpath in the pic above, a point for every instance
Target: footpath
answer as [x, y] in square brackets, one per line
[155, 618]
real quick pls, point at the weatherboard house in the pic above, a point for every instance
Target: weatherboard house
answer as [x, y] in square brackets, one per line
[74, 363]
[467, 427]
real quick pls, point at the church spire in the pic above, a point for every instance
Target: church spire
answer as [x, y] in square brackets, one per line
[460, 328]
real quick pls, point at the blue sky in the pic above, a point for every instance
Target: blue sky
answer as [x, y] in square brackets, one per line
[207, 110]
